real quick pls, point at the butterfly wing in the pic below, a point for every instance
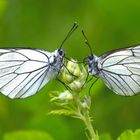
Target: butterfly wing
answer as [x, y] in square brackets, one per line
[120, 70]
[23, 72]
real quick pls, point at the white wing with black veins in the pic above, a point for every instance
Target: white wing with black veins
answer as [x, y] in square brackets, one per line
[23, 72]
[120, 70]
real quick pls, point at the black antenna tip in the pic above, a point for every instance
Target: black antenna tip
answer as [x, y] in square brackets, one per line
[75, 23]
[74, 27]
[86, 41]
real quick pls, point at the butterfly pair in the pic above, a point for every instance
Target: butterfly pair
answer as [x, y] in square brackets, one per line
[23, 72]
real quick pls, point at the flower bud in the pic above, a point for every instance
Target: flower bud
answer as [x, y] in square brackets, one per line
[76, 85]
[73, 68]
[66, 77]
[73, 75]
[86, 103]
[66, 95]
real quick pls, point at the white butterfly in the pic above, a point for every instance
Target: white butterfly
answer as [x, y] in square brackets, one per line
[119, 69]
[23, 72]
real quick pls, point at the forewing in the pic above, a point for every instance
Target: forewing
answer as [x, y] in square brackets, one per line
[23, 72]
[120, 70]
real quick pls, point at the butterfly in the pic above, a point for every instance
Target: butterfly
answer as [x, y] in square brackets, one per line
[119, 69]
[24, 71]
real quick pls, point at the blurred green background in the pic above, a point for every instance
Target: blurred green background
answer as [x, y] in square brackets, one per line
[43, 24]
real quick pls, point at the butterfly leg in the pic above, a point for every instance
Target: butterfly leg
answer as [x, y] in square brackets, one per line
[67, 87]
[86, 80]
[89, 91]
[70, 72]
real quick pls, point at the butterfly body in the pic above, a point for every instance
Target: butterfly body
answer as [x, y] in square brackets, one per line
[119, 69]
[93, 68]
[56, 60]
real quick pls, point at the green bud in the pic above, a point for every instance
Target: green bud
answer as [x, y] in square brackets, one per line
[66, 77]
[76, 85]
[63, 96]
[66, 95]
[73, 68]
[86, 103]
[73, 75]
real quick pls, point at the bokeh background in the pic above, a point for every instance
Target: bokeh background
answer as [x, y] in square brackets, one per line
[43, 24]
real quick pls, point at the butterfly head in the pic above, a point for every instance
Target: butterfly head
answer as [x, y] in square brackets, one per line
[91, 57]
[57, 56]
[60, 53]
[92, 64]
[56, 59]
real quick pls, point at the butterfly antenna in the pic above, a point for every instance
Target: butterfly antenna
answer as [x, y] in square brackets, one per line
[87, 42]
[74, 27]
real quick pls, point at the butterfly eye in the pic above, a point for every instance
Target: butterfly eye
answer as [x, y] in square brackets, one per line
[90, 57]
[61, 52]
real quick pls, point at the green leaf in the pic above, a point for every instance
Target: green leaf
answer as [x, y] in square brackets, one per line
[130, 135]
[137, 134]
[27, 135]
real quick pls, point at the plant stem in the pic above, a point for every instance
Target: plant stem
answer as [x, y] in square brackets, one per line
[84, 114]
[71, 101]
[88, 124]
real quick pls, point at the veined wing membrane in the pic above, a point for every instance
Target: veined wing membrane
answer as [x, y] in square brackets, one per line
[120, 70]
[23, 72]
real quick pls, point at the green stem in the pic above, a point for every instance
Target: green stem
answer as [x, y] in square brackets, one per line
[72, 102]
[88, 124]
[84, 115]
